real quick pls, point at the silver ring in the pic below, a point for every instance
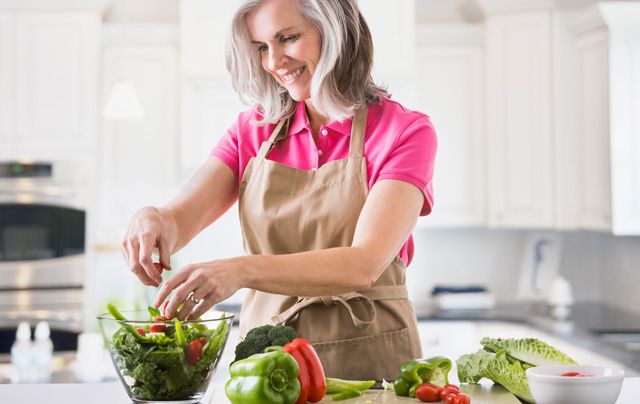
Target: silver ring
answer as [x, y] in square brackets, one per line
[193, 298]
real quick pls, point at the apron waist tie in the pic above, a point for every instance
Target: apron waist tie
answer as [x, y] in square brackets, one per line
[385, 292]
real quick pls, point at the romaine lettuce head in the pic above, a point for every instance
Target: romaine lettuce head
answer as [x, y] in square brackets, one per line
[529, 350]
[497, 366]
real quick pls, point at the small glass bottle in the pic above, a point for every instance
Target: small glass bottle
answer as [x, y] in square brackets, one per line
[43, 352]
[22, 355]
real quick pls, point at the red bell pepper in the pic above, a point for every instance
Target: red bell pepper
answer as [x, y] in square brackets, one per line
[312, 382]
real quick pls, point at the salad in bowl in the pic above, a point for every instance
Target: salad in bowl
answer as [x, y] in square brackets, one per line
[159, 359]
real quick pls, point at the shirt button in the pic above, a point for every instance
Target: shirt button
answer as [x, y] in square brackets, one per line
[324, 132]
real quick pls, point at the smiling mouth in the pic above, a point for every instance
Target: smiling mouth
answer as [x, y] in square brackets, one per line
[291, 77]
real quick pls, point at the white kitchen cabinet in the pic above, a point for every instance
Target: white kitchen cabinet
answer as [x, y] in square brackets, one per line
[138, 158]
[204, 26]
[599, 120]
[449, 88]
[393, 29]
[55, 75]
[519, 120]
[6, 76]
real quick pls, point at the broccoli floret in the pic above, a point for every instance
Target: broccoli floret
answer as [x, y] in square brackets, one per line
[259, 338]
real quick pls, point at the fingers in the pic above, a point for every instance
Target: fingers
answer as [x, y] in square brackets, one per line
[164, 253]
[170, 285]
[182, 294]
[147, 241]
[201, 308]
[130, 252]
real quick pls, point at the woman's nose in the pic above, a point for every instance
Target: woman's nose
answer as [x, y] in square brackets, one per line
[275, 59]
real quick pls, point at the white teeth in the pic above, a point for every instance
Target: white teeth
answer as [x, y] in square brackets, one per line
[292, 76]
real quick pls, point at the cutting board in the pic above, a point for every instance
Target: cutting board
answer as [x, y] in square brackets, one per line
[480, 394]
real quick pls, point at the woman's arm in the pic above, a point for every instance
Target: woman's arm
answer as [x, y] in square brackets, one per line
[207, 195]
[387, 218]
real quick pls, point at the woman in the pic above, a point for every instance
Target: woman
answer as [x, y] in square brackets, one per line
[330, 176]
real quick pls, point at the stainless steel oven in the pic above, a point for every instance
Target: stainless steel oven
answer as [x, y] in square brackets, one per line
[42, 248]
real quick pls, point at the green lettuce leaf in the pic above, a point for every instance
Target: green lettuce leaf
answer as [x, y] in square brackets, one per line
[499, 367]
[529, 350]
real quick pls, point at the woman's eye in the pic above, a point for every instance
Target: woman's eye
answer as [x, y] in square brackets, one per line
[262, 48]
[289, 38]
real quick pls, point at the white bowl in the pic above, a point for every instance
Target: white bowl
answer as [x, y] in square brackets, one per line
[548, 386]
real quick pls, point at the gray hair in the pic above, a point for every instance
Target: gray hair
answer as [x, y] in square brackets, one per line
[342, 81]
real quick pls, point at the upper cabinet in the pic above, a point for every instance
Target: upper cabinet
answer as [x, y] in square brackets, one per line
[204, 25]
[394, 36]
[449, 89]
[48, 75]
[519, 117]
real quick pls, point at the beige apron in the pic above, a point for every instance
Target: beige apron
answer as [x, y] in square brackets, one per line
[359, 335]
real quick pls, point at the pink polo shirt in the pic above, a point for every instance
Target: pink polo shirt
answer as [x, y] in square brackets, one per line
[400, 144]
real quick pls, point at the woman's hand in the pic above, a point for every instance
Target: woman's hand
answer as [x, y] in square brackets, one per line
[207, 283]
[150, 228]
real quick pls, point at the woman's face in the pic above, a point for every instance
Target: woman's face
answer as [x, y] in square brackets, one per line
[288, 44]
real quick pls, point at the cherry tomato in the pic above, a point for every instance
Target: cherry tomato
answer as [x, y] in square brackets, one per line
[194, 351]
[427, 393]
[159, 319]
[141, 331]
[453, 386]
[447, 391]
[158, 266]
[157, 328]
[203, 340]
[451, 398]
[462, 398]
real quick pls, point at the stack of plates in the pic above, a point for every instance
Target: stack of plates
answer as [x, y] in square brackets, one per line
[463, 298]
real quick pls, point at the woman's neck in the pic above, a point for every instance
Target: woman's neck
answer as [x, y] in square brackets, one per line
[316, 119]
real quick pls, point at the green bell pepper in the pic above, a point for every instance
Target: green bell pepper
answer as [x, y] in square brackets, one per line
[264, 378]
[416, 372]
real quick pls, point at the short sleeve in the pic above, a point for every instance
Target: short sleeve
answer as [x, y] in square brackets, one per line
[412, 159]
[228, 149]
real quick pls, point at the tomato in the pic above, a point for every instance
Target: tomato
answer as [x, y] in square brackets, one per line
[462, 398]
[203, 340]
[427, 393]
[158, 266]
[453, 386]
[576, 374]
[451, 398]
[194, 351]
[141, 331]
[447, 391]
[157, 328]
[159, 319]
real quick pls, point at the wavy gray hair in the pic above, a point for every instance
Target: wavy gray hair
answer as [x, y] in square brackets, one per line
[342, 81]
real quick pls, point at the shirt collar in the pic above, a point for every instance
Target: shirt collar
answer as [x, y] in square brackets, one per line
[301, 121]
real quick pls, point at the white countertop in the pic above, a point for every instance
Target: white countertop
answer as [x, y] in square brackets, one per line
[113, 393]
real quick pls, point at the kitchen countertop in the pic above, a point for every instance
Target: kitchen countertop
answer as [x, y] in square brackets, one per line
[585, 327]
[113, 393]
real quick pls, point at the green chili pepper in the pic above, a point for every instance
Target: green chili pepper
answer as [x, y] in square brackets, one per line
[182, 341]
[335, 386]
[128, 327]
[416, 372]
[264, 378]
[345, 395]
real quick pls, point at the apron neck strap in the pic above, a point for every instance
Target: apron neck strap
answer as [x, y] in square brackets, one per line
[358, 126]
[279, 132]
[356, 143]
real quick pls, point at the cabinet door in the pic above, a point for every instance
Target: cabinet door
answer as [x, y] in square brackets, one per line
[449, 90]
[204, 25]
[520, 153]
[56, 74]
[6, 77]
[138, 165]
[394, 35]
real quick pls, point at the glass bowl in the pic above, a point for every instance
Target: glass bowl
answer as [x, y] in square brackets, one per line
[158, 363]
